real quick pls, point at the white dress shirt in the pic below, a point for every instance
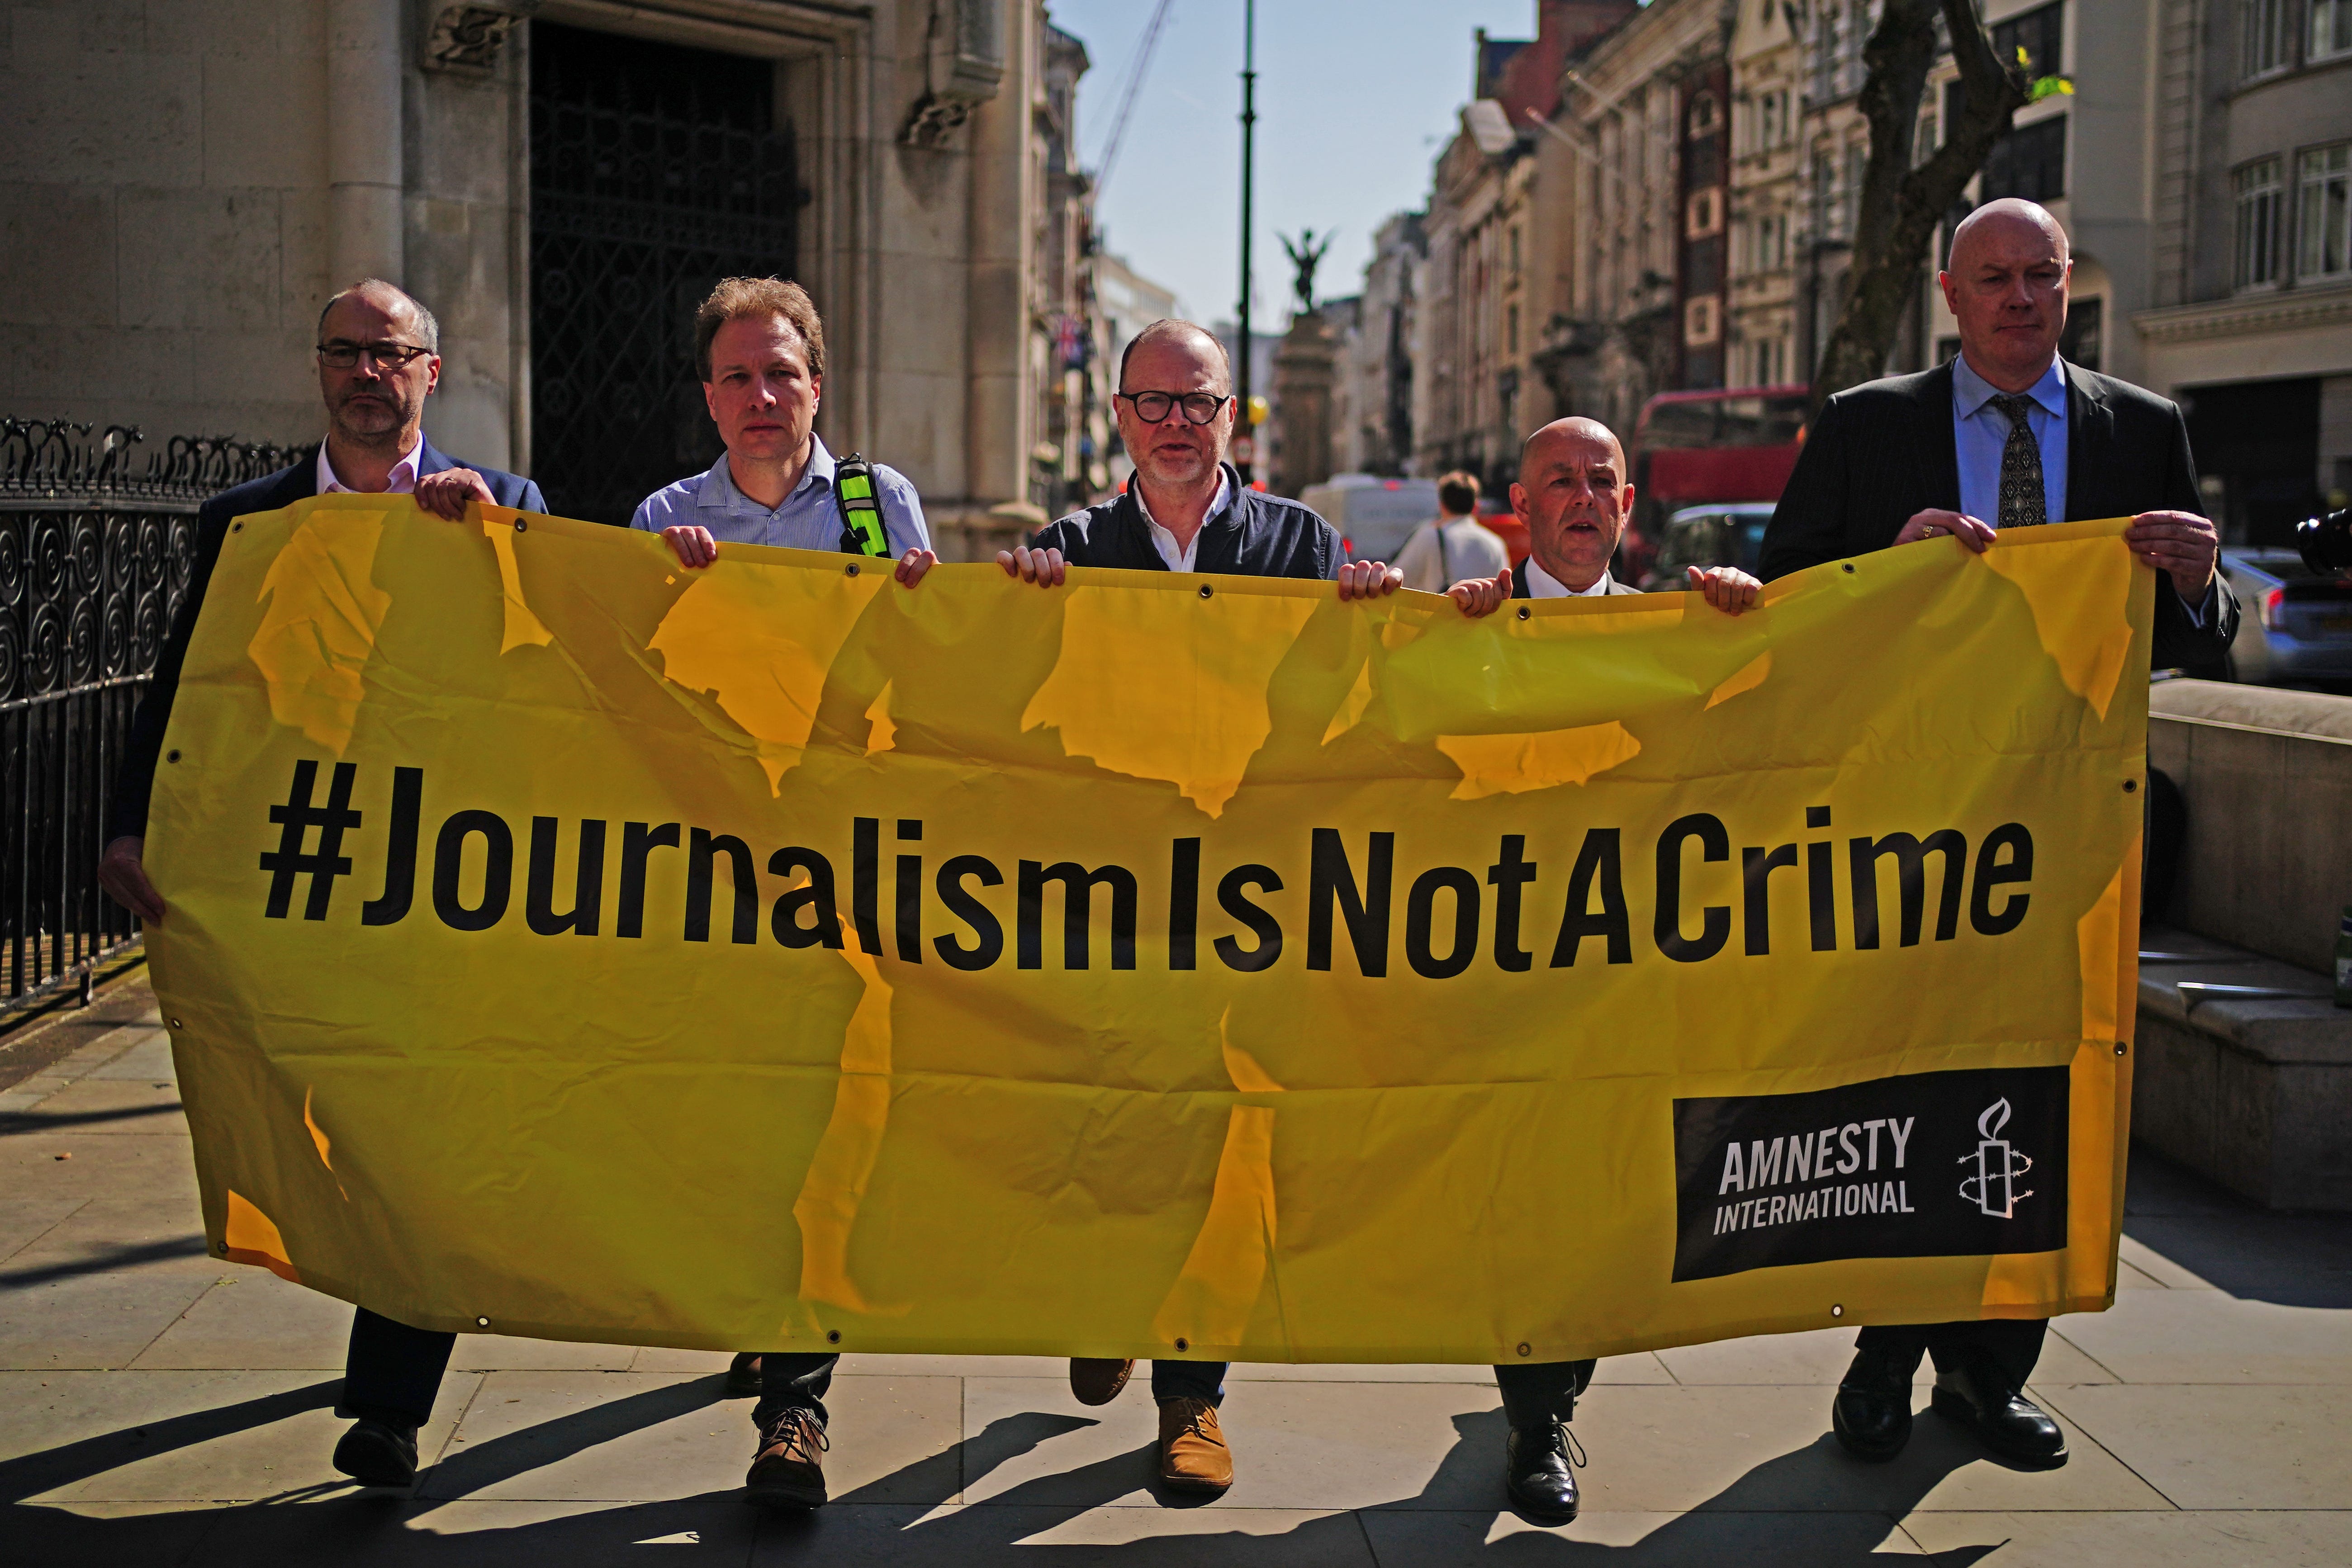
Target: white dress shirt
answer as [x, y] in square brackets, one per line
[1180, 558]
[401, 480]
[1542, 585]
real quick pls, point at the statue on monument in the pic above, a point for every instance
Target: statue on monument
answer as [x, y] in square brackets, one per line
[1305, 256]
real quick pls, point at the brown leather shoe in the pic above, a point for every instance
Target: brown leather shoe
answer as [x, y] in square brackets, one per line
[789, 1471]
[1096, 1380]
[743, 1376]
[1192, 1453]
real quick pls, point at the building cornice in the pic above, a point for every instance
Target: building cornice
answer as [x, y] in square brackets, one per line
[2298, 309]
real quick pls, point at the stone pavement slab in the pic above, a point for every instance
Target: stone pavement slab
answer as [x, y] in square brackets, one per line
[167, 1409]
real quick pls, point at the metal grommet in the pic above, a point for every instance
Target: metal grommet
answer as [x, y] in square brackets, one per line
[521, 525]
[1183, 1344]
[851, 569]
[177, 1024]
[1836, 1311]
[2121, 1047]
[221, 1248]
[1525, 612]
[171, 756]
[833, 1336]
[237, 528]
[481, 1322]
[1206, 590]
[1849, 566]
[2130, 785]
[1525, 1349]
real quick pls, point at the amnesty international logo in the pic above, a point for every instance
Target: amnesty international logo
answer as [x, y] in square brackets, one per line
[1993, 1189]
[1768, 1181]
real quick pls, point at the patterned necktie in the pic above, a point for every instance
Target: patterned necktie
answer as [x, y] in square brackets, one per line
[2021, 502]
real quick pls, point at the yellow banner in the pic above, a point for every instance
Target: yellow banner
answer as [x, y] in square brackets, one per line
[564, 943]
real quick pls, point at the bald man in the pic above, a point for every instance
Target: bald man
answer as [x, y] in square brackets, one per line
[378, 359]
[1186, 510]
[2007, 437]
[1571, 493]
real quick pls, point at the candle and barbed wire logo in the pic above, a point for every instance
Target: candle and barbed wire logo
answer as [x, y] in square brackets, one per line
[1999, 1164]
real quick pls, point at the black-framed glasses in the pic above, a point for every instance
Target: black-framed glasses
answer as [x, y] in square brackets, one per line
[340, 353]
[1151, 408]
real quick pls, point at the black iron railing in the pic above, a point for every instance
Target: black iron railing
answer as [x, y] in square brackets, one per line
[95, 549]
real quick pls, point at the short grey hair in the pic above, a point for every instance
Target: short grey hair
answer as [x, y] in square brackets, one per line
[429, 331]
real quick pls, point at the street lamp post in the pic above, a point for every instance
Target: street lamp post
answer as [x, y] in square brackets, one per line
[1248, 455]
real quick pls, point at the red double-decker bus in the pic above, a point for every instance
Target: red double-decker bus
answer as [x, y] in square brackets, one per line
[1706, 449]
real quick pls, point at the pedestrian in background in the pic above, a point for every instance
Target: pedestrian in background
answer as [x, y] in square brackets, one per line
[1455, 546]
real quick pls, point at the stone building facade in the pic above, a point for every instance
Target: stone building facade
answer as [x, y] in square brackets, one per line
[1372, 400]
[1498, 230]
[2249, 316]
[559, 180]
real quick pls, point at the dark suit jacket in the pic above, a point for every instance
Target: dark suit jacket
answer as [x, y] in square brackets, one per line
[136, 782]
[1884, 451]
[1259, 536]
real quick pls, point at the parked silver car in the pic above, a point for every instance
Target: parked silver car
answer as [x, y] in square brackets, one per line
[2298, 623]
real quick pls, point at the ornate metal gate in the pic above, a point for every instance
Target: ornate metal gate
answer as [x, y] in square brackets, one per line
[655, 171]
[94, 559]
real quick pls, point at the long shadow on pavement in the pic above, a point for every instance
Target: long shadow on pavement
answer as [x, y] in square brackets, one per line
[1808, 1505]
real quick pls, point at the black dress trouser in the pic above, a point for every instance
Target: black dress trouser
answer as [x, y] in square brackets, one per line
[392, 1371]
[2012, 1345]
[1536, 1394]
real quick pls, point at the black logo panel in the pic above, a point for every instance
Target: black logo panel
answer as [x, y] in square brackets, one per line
[1922, 1166]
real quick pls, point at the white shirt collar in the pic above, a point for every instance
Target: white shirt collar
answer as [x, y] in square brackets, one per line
[1181, 558]
[400, 482]
[1542, 585]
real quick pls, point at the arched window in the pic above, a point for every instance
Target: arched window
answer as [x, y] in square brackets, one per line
[1704, 114]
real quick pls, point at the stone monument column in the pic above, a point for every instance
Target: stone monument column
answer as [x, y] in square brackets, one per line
[1302, 403]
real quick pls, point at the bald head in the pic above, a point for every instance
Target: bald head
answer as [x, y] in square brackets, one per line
[1561, 435]
[1188, 340]
[1572, 495]
[2007, 222]
[2006, 287]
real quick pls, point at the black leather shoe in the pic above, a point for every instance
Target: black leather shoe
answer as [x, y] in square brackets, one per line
[1978, 1399]
[1872, 1413]
[743, 1376]
[1537, 1476]
[376, 1455]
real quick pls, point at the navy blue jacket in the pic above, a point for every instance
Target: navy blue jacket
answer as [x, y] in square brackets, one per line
[1258, 536]
[127, 813]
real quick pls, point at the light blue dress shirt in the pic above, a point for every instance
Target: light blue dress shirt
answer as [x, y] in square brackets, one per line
[1981, 432]
[808, 519]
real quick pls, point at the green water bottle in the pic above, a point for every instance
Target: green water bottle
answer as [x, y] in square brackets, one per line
[2344, 960]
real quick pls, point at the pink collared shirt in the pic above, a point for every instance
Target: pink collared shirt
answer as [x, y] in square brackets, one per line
[401, 480]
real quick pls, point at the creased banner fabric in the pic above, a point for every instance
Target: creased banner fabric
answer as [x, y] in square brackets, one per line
[771, 957]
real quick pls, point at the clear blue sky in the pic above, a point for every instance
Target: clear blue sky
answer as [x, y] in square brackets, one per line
[1355, 102]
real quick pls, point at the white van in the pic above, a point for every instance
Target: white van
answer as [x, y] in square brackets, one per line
[1374, 516]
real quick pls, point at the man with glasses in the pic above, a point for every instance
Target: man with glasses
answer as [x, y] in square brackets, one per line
[378, 360]
[1186, 511]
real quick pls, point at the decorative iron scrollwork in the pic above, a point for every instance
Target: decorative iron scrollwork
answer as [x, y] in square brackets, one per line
[97, 550]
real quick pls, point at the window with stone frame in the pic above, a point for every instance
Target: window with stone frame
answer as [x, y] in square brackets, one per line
[2038, 35]
[2261, 202]
[2331, 29]
[2264, 43]
[2323, 219]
